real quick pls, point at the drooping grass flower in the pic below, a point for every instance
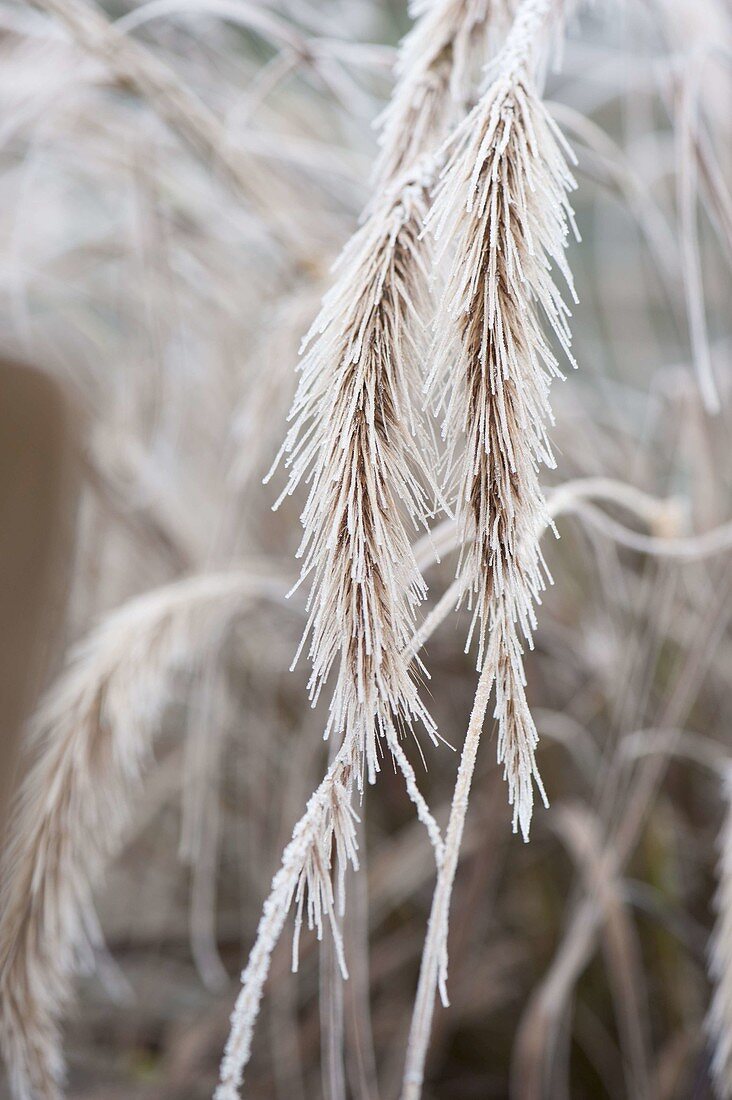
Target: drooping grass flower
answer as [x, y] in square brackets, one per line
[501, 218]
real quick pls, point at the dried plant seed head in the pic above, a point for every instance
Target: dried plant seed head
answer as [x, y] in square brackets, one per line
[359, 443]
[501, 219]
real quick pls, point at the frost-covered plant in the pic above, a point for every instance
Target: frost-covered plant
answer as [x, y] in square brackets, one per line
[503, 215]
[358, 437]
[502, 206]
[359, 445]
[202, 206]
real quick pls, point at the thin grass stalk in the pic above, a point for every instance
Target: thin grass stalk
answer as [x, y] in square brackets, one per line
[580, 831]
[305, 871]
[297, 857]
[719, 1019]
[432, 970]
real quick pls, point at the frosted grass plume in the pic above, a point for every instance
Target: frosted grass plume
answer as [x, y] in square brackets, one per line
[358, 444]
[501, 220]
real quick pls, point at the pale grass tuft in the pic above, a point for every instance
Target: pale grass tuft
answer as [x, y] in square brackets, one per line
[92, 740]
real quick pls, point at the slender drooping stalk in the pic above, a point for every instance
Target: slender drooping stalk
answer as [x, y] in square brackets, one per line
[719, 1020]
[502, 206]
[434, 960]
[295, 859]
[305, 878]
